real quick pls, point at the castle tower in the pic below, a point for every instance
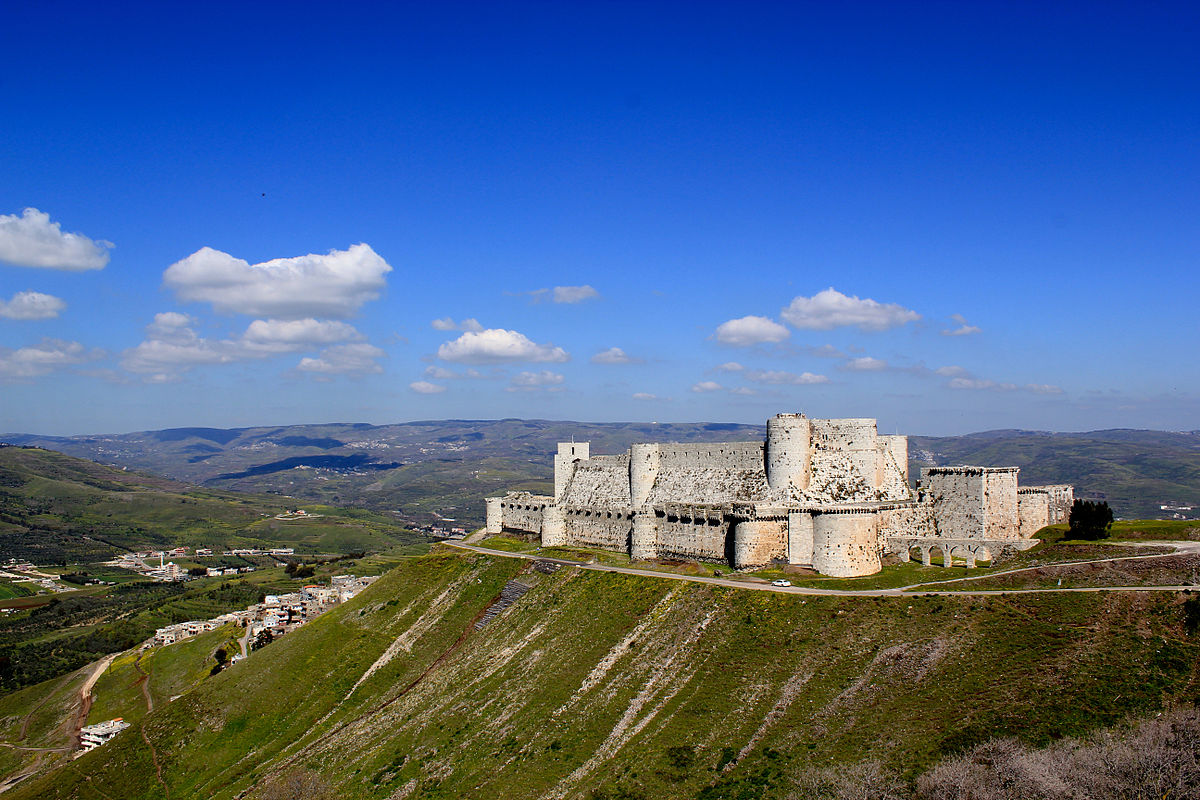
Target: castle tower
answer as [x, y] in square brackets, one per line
[789, 451]
[569, 453]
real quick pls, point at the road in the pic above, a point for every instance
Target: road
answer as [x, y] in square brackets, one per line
[900, 591]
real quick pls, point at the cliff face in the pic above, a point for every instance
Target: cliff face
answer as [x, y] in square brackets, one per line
[462, 675]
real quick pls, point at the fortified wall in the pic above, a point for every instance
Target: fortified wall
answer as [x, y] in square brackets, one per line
[831, 494]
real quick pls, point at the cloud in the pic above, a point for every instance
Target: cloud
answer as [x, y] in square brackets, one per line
[425, 387]
[952, 371]
[729, 366]
[497, 346]
[448, 324]
[574, 294]
[272, 336]
[533, 381]
[614, 355]
[825, 351]
[978, 384]
[865, 364]
[780, 377]
[644, 396]
[832, 309]
[331, 285]
[344, 359]
[745, 391]
[707, 386]
[750, 330]
[32, 240]
[1043, 388]
[172, 346]
[963, 329]
[31, 305]
[43, 358]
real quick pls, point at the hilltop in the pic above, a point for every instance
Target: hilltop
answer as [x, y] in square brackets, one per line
[430, 468]
[602, 685]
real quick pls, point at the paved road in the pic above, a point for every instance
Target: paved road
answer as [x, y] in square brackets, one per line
[902, 591]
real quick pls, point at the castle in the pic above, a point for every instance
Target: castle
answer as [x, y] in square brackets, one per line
[831, 494]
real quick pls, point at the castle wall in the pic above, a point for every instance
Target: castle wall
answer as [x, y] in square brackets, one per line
[788, 453]
[857, 439]
[897, 448]
[554, 528]
[800, 538]
[495, 515]
[598, 527]
[846, 545]
[602, 481]
[1061, 497]
[709, 473]
[643, 540]
[568, 455]
[687, 533]
[1033, 511]
[644, 465]
[906, 520]
[973, 502]
[759, 542]
[523, 512]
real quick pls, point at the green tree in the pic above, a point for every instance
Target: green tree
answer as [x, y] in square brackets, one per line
[1089, 520]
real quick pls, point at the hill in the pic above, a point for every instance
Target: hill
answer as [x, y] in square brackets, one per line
[431, 468]
[587, 684]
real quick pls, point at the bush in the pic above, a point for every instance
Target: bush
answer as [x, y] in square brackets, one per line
[1089, 520]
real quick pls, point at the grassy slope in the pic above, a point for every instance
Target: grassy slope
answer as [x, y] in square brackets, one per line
[612, 682]
[58, 507]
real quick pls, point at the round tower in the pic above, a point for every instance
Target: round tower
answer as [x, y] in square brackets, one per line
[789, 451]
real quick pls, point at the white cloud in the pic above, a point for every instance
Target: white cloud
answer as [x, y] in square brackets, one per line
[952, 371]
[780, 377]
[496, 346]
[832, 309]
[42, 358]
[533, 381]
[32, 240]
[448, 324]
[750, 330]
[1043, 388]
[644, 396]
[172, 346]
[614, 355]
[730, 366]
[979, 384]
[31, 305]
[707, 386]
[425, 387]
[344, 359]
[574, 294]
[331, 285]
[825, 351]
[865, 364]
[745, 391]
[963, 329]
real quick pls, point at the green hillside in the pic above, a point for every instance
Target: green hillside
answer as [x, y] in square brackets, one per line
[58, 509]
[604, 685]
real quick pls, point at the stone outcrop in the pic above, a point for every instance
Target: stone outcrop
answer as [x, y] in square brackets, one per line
[831, 494]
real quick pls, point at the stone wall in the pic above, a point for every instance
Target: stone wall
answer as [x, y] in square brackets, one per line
[758, 542]
[846, 545]
[691, 533]
[915, 519]
[599, 481]
[1033, 511]
[495, 515]
[523, 512]
[598, 527]
[800, 537]
[788, 453]
[972, 502]
[569, 454]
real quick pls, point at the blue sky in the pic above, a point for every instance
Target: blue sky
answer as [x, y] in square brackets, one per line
[952, 217]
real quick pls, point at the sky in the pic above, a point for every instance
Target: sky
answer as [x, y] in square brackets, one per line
[952, 217]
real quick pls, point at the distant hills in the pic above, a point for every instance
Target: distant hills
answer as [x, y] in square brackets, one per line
[446, 467]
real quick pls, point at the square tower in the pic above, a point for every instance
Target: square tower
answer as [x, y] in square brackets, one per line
[568, 455]
[973, 502]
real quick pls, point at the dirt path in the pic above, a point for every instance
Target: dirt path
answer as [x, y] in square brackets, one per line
[144, 682]
[902, 591]
[85, 698]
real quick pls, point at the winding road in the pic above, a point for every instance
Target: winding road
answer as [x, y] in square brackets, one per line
[1181, 548]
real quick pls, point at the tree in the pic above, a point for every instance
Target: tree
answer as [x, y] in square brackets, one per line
[1089, 520]
[264, 638]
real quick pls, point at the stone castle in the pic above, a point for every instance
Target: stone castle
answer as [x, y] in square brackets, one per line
[830, 494]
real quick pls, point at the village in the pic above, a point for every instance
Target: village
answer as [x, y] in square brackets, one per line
[164, 570]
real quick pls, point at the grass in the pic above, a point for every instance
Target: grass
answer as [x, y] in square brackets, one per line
[9, 590]
[662, 683]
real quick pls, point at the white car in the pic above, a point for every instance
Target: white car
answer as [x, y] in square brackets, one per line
[781, 583]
